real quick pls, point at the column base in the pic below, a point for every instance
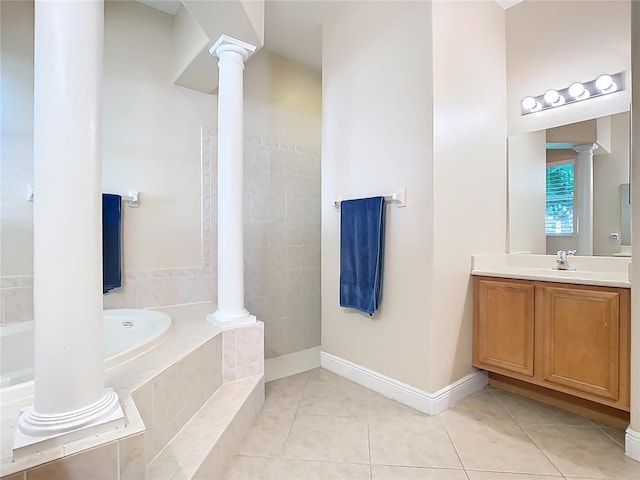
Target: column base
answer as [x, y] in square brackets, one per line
[226, 320]
[632, 444]
[40, 431]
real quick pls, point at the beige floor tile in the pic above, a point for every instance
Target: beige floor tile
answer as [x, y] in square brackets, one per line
[583, 451]
[328, 396]
[307, 470]
[250, 468]
[507, 476]
[267, 435]
[284, 394]
[527, 411]
[384, 472]
[616, 434]
[414, 442]
[501, 447]
[329, 439]
[380, 406]
[480, 407]
[321, 374]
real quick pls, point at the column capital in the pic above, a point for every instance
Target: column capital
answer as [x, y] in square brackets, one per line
[226, 43]
[586, 147]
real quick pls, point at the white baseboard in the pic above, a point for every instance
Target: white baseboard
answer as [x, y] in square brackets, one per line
[632, 444]
[285, 365]
[429, 403]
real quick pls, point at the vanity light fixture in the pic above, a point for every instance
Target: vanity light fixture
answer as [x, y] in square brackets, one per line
[553, 98]
[576, 92]
[531, 104]
[606, 84]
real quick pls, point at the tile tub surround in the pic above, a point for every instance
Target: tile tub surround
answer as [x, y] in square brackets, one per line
[159, 392]
[317, 425]
[604, 271]
[282, 249]
[282, 243]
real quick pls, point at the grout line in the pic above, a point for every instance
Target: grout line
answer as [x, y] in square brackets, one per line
[295, 415]
[525, 433]
[455, 449]
[541, 450]
[369, 440]
[604, 432]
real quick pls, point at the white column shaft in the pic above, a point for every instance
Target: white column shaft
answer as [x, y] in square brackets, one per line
[585, 198]
[231, 310]
[230, 224]
[69, 332]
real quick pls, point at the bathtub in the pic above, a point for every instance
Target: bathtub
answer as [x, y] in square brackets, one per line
[127, 334]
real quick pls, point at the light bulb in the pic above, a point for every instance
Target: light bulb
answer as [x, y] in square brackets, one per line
[605, 84]
[577, 91]
[529, 104]
[553, 98]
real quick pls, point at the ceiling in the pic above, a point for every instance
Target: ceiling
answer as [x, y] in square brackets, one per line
[293, 28]
[168, 6]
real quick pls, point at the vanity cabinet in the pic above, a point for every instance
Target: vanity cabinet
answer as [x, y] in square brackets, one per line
[504, 325]
[567, 338]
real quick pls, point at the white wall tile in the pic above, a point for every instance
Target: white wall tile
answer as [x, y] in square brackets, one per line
[165, 397]
[133, 457]
[249, 344]
[17, 304]
[99, 463]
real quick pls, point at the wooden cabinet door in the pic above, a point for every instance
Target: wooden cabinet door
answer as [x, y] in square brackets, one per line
[581, 339]
[503, 325]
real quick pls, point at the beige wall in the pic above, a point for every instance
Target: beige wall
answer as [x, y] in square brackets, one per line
[635, 229]
[527, 193]
[469, 171]
[430, 131]
[553, 44]
[376, 138]
[283, 100]
[16, 142]
[151, 139]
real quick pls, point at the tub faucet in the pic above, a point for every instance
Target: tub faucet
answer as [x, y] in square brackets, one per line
[562, 262]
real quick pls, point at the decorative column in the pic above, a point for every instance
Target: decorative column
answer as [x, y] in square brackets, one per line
[68, 330]
[585, 198]
[231, 311]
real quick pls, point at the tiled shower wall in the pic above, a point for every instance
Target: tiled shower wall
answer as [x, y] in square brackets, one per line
[282, 243]
[282, 250]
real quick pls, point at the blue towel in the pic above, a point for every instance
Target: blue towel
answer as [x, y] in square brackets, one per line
[361, 253]
[111, 216]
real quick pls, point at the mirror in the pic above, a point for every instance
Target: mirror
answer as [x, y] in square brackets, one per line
[568, 186]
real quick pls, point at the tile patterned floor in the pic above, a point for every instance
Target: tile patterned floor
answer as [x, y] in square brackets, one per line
[319, 426]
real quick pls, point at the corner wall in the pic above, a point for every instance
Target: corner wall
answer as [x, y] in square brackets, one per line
[377, 138]
[469, 173]
[410, 99]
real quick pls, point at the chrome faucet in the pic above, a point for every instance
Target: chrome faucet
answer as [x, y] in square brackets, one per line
[562, 263]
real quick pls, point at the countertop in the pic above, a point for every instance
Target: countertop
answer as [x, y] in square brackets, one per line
[600, 271]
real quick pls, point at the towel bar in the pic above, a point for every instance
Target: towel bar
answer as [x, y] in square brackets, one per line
[399, 199]
[133, 199]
